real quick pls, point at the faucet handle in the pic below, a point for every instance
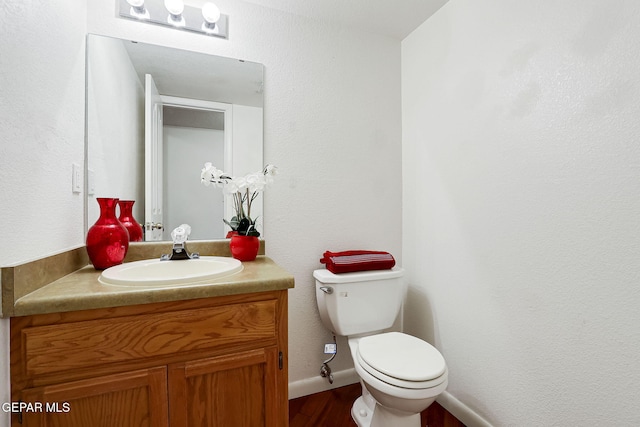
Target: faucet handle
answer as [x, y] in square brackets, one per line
[181, 234]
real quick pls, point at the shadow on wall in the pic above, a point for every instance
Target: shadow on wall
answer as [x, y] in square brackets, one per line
[418, 315]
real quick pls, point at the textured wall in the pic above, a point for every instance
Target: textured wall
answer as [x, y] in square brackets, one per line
[41, 134]
[42, 127]
[521, 215]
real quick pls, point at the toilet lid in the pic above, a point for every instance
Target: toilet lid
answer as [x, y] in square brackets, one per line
[402, 356]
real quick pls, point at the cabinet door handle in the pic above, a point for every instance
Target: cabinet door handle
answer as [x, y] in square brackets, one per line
[280, 360]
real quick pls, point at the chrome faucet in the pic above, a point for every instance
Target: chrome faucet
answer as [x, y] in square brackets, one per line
[179, 236]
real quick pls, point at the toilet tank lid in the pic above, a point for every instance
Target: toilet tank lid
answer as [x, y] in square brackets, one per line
[325, 276]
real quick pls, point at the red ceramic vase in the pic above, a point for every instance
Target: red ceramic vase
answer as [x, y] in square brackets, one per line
[126, 218]
[107, 239]
[244, 248]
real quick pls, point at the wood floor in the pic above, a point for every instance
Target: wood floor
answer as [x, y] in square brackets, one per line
[333, 409]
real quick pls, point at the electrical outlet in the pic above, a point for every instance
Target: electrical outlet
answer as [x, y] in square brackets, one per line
[330, 348]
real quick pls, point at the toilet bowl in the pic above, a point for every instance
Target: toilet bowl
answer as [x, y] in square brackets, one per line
[401, 375]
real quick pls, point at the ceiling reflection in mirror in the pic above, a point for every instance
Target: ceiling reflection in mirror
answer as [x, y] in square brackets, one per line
[207, 109]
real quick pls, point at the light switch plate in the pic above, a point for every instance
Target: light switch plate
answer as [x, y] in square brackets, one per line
[76, 178]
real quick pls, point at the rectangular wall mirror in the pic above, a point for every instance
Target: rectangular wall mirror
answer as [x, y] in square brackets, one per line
[155, 115]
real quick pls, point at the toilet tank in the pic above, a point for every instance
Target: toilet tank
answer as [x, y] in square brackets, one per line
[361, 302]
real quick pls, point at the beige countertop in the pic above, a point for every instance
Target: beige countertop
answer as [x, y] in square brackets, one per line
[80, 289]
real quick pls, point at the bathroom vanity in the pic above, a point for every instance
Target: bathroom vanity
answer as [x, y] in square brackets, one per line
[83, 354]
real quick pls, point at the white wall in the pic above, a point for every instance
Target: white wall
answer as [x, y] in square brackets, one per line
[115, 114]
[521, 215]
[247, 131]
[332, 126]
[42, 127]
[41, 135]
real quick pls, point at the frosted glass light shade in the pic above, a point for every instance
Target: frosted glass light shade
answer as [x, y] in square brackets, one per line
[137, 9]
[210, 13]
[175, 7]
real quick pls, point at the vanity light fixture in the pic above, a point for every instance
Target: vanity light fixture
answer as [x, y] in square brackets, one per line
[175, 14]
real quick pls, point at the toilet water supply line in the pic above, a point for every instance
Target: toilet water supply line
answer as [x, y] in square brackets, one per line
[325, 369]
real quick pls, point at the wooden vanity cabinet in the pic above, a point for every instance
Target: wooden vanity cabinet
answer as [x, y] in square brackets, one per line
[137, 398]
[209, 362]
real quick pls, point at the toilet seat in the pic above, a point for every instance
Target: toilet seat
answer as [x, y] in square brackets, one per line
[401, 360]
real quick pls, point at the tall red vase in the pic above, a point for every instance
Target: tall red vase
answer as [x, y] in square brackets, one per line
[244, 248]
[107, 239]
[126, 218]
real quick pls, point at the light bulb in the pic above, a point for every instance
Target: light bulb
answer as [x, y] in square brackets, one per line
[210, 13]
[137, 9]
[175, 7]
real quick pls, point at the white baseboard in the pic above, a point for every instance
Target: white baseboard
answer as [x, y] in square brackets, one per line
[461, 411]
[317, 384]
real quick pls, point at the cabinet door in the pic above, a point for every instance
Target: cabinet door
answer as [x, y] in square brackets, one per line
[129, 399]
[239, 390]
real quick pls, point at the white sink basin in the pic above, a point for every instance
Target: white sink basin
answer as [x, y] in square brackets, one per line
[153, 272]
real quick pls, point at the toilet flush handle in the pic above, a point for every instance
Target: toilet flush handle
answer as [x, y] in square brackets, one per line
[326, 289]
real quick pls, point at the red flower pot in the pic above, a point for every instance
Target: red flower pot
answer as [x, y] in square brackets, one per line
[126, 218]
[244, 248]
[107, 239]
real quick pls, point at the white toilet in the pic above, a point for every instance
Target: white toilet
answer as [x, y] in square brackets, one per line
[401, 375]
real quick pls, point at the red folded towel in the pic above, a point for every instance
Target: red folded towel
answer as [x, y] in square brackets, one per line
[351, 261]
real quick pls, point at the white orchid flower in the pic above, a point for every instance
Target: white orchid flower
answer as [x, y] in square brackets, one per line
[255, 182]
[270, 171]
[241, 183]
[242, 190]
[210, 174]
[206, 175]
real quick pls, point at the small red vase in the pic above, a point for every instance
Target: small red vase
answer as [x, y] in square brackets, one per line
[126, 218]
[244, 248]
[107, 239]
